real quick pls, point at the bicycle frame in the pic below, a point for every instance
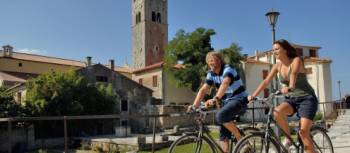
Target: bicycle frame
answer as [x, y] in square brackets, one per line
[270, 134]
[204, 131]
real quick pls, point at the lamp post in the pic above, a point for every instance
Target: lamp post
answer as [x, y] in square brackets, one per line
[272, 17]
[339, 89]
[340, 97]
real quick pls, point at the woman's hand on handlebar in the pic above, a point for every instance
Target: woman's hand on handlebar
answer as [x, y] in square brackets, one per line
[284, 90]
[250, 98]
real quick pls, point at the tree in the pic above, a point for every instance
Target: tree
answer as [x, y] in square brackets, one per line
[232, 55]
[190, 49]
[58, 94]
[8, 106]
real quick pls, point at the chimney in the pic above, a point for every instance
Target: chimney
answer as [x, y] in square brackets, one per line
[88, 61]
[257, 55]
[7, 50]
[111, 64]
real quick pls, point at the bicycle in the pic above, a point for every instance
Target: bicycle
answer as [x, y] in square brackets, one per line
[268, 142]
[200, 141]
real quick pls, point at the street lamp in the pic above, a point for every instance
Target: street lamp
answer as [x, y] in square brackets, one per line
[339, 89]
[340, 97]
[272, 17]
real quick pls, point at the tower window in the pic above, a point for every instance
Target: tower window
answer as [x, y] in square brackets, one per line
[153, 16]
[138, 17]
[19, 64]
[159, 18]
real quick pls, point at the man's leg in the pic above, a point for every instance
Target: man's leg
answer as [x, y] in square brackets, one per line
[233, 129]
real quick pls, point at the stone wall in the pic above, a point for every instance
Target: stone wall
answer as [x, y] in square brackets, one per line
[186, 120]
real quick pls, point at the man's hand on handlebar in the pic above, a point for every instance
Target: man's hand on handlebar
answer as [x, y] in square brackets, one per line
[209, 103]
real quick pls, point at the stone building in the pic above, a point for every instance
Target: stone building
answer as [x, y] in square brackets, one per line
[16, 68]
[134, 98]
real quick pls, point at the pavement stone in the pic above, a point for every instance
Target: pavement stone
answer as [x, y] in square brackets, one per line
[340, 133]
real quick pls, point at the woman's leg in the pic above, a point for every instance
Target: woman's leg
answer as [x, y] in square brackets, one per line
[305, 126]
[281, 113]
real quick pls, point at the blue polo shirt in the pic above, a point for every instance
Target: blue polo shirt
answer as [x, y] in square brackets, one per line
[236, 88]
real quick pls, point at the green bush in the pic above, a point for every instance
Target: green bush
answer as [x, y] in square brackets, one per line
[318, 116]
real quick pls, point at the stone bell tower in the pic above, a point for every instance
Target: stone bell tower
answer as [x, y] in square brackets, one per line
[149, 32]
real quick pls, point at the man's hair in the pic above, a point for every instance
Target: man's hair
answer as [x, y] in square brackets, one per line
[213, 54]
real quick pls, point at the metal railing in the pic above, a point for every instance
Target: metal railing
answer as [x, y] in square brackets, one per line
[64, 119]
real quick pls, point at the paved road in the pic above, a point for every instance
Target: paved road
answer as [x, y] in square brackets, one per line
[340, 133]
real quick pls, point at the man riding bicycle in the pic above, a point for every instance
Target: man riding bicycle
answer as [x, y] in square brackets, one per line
[231, 94]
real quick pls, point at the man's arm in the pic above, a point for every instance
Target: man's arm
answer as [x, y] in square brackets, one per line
[200, 95]
[223, 87]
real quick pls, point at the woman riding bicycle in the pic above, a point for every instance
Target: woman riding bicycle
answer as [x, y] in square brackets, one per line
[300, 96]
[230, 90]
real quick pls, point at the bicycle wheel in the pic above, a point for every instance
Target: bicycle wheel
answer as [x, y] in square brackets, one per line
[322, 142]
[250, 130]
[192, 144]
[254, 143]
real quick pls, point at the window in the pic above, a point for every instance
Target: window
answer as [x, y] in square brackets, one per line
[266, 92]
[140, 81]
[299, 51]
[124, 123]
[101, 79]
[138, 17]
[309, 70]
[155, 81]
[265, 73]
[312, 53]
[19, 64]
[124, 105]
[159, 18]
[153, 16]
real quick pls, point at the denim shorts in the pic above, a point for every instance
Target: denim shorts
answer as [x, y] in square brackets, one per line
[230, 108]
[304, 106]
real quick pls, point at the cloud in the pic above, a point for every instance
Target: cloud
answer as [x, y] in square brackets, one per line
[31, 51]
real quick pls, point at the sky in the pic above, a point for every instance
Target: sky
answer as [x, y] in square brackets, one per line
[74, 29]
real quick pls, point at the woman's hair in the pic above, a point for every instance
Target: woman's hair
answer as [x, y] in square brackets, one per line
[213, 54]
[291, 51]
